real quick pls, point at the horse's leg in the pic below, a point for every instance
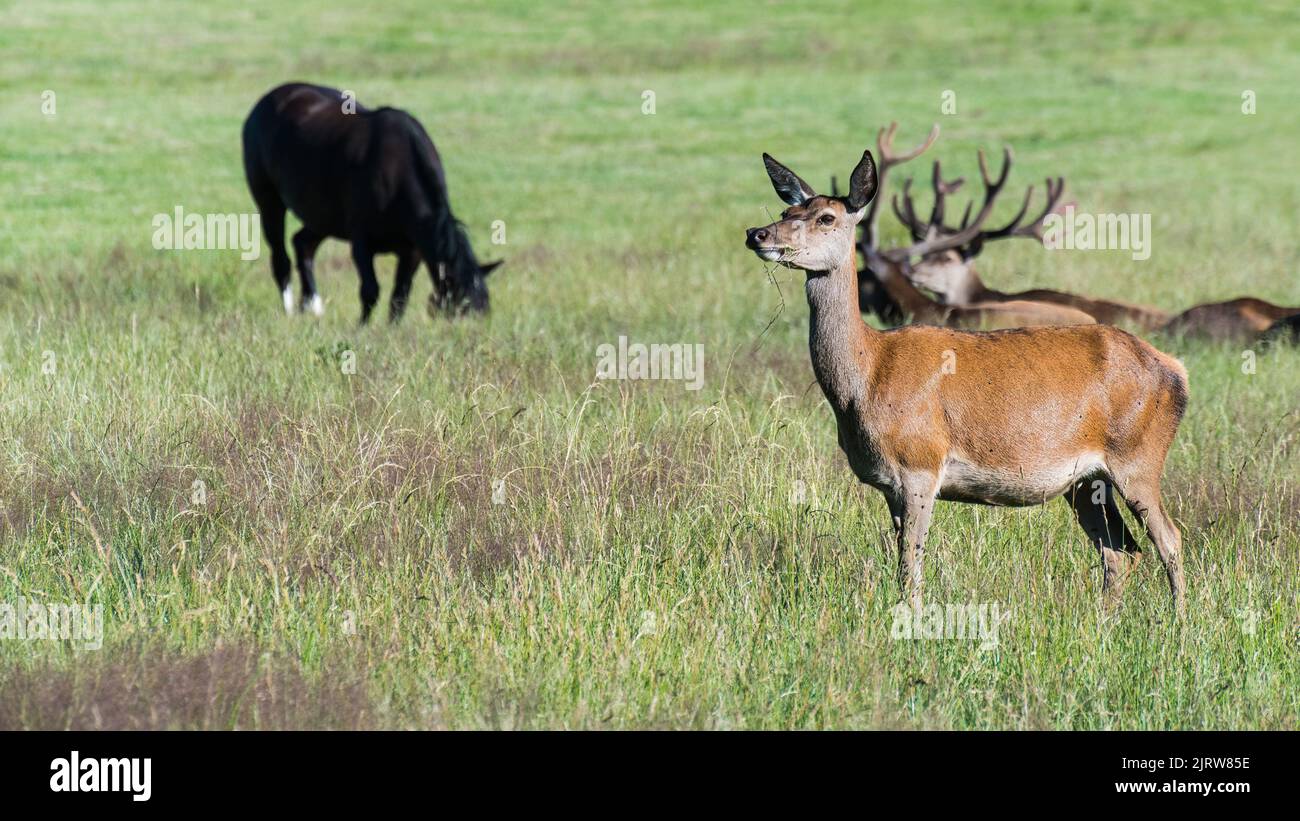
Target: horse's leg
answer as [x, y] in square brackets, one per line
[305, 243]
[420, 231]
[408, 261]
[441, 295]
[364, 259]
[271, 208]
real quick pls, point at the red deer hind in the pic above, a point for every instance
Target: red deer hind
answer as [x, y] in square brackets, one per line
[1011, 417]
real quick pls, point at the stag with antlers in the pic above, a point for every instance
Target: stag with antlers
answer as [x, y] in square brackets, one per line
[948, 269]
[885, 284]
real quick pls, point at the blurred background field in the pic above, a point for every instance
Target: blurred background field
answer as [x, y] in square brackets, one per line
[657, 557]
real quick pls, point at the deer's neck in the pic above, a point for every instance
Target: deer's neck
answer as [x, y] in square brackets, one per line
[842, 346]
[973, 289]
[910, 299]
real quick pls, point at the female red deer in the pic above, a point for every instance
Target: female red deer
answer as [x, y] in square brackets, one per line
[372, 178]
[1011, 417]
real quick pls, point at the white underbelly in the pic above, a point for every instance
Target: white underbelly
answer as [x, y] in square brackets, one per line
[1027, 485]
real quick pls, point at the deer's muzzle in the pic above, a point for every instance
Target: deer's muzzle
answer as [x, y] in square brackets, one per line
[759, 241]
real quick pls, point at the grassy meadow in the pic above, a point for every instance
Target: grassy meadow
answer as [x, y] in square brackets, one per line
[467, 529]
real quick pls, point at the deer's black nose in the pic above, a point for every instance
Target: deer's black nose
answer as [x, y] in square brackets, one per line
[755, 237]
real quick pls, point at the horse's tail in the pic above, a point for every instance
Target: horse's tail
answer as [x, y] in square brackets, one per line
[255, 171]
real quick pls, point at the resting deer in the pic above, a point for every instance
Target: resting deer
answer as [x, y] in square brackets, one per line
[1244, 318]
[950, 273]
[1285, 329]
[885, 285]
[893, 298]
[1011, 417]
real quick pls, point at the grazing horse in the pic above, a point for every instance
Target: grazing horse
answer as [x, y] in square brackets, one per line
[370, 177]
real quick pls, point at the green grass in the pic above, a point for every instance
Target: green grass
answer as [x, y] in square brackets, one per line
[649, 565]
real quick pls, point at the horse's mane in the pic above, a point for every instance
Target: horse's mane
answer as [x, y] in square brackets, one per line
[455, 246]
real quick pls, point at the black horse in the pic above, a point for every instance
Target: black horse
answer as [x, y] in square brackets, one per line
[372, 178]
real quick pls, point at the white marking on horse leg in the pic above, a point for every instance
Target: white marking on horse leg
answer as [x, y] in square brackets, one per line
[316, 305]
[287, 296]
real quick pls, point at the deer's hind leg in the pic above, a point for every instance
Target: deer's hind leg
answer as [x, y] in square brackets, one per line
[1143, 498]
[1094, 506]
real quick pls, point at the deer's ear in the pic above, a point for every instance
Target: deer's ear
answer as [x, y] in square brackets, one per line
[791, 189]
[862, 183]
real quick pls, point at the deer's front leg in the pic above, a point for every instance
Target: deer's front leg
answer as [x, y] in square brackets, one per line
[911, 507]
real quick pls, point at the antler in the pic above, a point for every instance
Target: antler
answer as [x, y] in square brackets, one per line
[887, 160]
[935, 236]
[1054, 186]
[938, 239]
[907, 213]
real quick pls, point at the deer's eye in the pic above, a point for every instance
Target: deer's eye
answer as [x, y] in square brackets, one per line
[826, 219]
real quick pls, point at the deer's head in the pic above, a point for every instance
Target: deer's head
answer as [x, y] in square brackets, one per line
[816, 232]
[948, 274]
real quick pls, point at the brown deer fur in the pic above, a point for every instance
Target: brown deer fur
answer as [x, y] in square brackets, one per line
[1243, 318]
[909, 303]
[955, 281]
[1011, 417]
